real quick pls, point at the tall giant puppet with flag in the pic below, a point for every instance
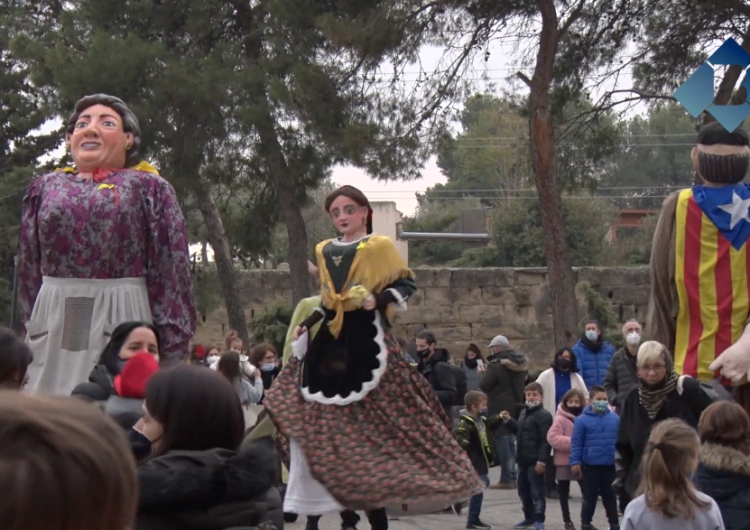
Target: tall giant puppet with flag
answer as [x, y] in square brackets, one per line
[700, 265]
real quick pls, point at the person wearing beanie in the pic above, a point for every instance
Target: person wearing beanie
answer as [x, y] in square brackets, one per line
[699, 282]
[126, 405]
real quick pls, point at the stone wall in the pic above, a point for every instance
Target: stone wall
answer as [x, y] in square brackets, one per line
[467, 305]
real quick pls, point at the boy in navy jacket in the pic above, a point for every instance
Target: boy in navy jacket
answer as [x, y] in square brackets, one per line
[592, 455]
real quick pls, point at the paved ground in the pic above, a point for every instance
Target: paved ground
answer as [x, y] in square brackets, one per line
[501, 509]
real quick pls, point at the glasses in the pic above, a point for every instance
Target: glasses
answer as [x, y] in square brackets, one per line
[655, 368]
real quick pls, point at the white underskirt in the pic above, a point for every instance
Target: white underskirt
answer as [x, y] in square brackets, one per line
[304, 494]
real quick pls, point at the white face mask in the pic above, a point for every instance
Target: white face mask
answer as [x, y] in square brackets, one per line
[213, 359]
[633, 338]
[592, 335]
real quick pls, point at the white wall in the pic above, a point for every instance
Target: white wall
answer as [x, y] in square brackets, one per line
[385, 218]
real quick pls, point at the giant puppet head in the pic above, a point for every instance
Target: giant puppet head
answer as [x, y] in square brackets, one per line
[721, 157]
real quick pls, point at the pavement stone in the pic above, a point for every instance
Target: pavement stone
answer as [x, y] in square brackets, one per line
[501, 509]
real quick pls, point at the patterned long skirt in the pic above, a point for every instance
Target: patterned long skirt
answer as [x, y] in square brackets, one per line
[392, 449]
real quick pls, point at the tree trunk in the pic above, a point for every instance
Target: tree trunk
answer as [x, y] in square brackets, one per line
[291, 209]
[204, 254]
[217, 238]
[541, 132]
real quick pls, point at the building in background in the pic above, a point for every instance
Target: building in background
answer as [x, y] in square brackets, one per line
[385, 220]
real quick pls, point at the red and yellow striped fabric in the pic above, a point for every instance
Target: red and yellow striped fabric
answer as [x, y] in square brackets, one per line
[712, 288]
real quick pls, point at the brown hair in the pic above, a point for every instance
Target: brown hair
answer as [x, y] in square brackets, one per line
[671, 456]
[727, 424]
[259, 351]
[231, 337]
[70, 466]
[534, 387]
[573, 392]
[473, 397]
[354, 194]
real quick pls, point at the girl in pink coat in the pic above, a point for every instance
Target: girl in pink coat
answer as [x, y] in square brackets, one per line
[558, 437]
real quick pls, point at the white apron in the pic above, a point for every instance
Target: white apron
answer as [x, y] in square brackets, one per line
[70, 324]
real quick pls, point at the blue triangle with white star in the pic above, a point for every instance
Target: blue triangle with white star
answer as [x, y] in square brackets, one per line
[728, 208]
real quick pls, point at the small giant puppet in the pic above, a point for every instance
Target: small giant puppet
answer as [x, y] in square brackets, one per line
[700, 262]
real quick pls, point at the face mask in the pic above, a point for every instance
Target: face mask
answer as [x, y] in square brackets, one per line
[575, 411]
[121, 364]
[564, 364]
[532, 404]
[470, 363]
[483, 412]
[592, 335]
[633, 339]
[600, 406]
[213, 359]
[268, 367]
[423, 353]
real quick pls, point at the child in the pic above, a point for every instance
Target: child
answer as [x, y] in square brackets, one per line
[559, 436]
[669, 500]
[474, 434]
[592, 456]
[531, 430]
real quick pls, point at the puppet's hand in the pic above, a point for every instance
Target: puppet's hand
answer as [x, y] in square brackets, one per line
[734, 363]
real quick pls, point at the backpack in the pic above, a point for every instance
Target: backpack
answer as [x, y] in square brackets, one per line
[461, 386]
[705, 387]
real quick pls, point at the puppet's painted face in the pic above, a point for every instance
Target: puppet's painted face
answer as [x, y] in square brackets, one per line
[98, 139]
[348, 216]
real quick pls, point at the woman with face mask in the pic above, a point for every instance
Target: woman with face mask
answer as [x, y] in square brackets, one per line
[473, 365]
[660, 394]
[265, 359]
[127, 341]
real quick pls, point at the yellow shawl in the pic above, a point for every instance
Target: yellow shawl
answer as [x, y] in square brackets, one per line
[141, 166]
[376, 265]
[303, 310]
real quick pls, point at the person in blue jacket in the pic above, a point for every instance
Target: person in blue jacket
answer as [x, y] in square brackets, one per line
[593, 355]
[592, 457]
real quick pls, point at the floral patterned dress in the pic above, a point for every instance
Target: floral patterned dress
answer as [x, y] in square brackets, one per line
[367, 427]
[125, 224]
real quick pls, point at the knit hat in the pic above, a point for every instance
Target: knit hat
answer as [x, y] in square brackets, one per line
[131, 383]
[200, 351]
[499, 340]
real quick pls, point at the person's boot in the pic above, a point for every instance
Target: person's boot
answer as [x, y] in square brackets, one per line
[570, 526]
[312, 522]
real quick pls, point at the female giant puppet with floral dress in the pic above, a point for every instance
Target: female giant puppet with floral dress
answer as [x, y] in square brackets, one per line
[101, 243]
[365, 429]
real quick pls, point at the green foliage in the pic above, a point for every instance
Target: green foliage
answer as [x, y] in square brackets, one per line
[272, 325]
[597, 308]
[206, 291]
[635, 248]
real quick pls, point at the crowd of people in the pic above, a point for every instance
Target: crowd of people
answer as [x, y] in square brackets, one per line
[120, 428]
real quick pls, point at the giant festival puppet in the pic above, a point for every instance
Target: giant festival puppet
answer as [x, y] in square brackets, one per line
[101, 243]
[365, 429]
[699, 266]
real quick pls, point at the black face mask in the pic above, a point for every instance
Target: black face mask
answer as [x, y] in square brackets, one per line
[564, 364]
[423, 353]
[575, 411]
[470, 363]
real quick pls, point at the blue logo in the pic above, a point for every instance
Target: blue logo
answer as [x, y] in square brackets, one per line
[697, 93]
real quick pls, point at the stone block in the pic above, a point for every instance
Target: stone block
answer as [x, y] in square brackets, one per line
[504, 277]
[493, 295]
[473, 278]
[471, 314]
[426, 277]
[531, 276]
[630, 295]
[417, 299]
[446, 295]
[448, 334]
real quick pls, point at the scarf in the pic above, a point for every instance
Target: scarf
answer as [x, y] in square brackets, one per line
[652, 397]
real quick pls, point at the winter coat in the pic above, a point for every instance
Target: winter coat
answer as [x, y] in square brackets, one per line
[594, 438]
[531, 430]
[125, 411]
[559, 436]
[547, 380]
[479, 448]
[472, 376]
[99, 386]
[504, 382]
[593, 360]
[621, 377]
[441, 378]
[635, 427]
[209, 490]
[724, 475]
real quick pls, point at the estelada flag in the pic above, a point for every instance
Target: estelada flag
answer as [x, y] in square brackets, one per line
[712, 268]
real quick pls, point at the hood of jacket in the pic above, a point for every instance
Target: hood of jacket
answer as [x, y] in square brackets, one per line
[217, 488]
[512, 360]
[441, 355]
[722, 471]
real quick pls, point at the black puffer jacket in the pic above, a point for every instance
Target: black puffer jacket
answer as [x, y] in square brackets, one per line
[99, 387]
[209, 490]
[724, 475]
[531, 431]
[621, 377]
[441, 378]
